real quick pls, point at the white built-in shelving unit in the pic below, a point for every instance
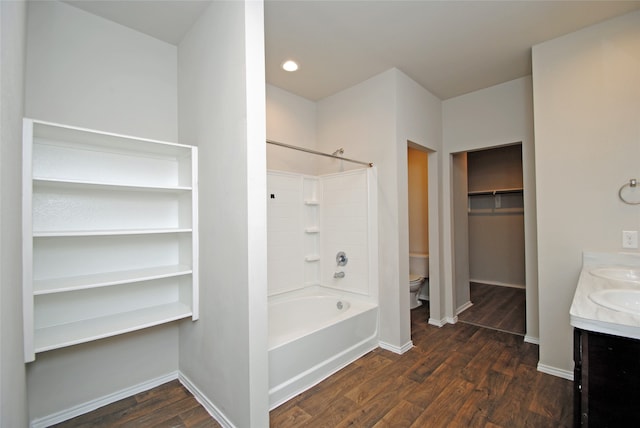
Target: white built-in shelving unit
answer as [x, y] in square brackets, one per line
[110, 228]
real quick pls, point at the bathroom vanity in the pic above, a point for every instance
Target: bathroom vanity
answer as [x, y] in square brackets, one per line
[605, 313]
[606, 378]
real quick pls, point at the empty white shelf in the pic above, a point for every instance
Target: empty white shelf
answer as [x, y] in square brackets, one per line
[56, 184]
[87, 330]
[61, 233]
[81, 282]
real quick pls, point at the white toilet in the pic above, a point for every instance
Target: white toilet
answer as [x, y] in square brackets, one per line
[418, 279]
[415, 282]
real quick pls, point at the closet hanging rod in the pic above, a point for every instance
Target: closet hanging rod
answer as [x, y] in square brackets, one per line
[302, 149]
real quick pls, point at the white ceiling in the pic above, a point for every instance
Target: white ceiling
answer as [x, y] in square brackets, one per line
[449, 47]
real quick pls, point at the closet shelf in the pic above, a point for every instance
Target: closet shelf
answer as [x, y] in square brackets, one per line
[82, 331]
[495, 191]
[500, 211]
[82, 282]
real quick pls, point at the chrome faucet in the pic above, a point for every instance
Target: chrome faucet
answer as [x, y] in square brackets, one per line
[338, 274]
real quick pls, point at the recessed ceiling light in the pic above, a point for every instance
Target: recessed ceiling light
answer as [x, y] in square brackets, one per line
[290, 65]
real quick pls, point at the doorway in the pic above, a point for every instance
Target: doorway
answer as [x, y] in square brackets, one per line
[496, 245]
[419, 180]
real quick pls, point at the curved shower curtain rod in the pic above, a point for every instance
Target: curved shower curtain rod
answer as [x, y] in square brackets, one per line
[302, 149]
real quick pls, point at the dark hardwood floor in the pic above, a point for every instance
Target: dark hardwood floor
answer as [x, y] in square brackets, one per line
[455, 376]
[168, 405]
[500, 308]
[459, 375]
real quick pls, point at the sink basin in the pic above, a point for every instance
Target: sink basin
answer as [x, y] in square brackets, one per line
[618, 300]
[618, 274]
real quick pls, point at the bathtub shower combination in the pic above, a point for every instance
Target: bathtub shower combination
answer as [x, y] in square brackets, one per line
[314, 333]
[322, 254]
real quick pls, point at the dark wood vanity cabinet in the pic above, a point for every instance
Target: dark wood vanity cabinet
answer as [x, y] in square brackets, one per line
[606, 380]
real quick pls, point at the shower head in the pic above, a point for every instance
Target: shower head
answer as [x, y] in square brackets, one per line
[338, 152]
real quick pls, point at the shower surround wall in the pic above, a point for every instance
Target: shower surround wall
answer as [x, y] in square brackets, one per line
[321, 316]
[311, 219]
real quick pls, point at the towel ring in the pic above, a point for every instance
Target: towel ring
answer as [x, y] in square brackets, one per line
[632, 184]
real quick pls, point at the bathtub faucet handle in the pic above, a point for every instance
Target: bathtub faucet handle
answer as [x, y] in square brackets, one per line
[341, 258]
[338, 274]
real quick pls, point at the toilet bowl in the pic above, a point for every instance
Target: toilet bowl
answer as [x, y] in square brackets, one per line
[418, 268]
[415, 282]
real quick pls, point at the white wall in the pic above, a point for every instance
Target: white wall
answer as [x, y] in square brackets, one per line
[89, 72]
[373, 121]
[502, 114]
[222, 111]
[13, 394]
[419, 124]
[359, 119]
[291, 120]
[586, 91]
[69, 377]
[362, 120]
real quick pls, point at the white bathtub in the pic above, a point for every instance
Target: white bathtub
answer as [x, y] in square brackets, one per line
[312, 334]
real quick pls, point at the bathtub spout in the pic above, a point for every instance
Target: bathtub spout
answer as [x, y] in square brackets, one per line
[338, 274]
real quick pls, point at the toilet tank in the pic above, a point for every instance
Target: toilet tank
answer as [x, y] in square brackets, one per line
[419, 264]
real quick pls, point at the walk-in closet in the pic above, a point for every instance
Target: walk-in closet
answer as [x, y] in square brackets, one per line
[496, 238]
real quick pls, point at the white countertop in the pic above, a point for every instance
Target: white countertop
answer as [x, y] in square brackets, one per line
[588, 315]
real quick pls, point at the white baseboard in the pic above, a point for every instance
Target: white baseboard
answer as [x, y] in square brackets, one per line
[532, 339]
[398, 350]
[437, 323]
[498, 283]
[565, 374]
[464, 307]
[91, 405]
[206, 403]
[451, 320]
